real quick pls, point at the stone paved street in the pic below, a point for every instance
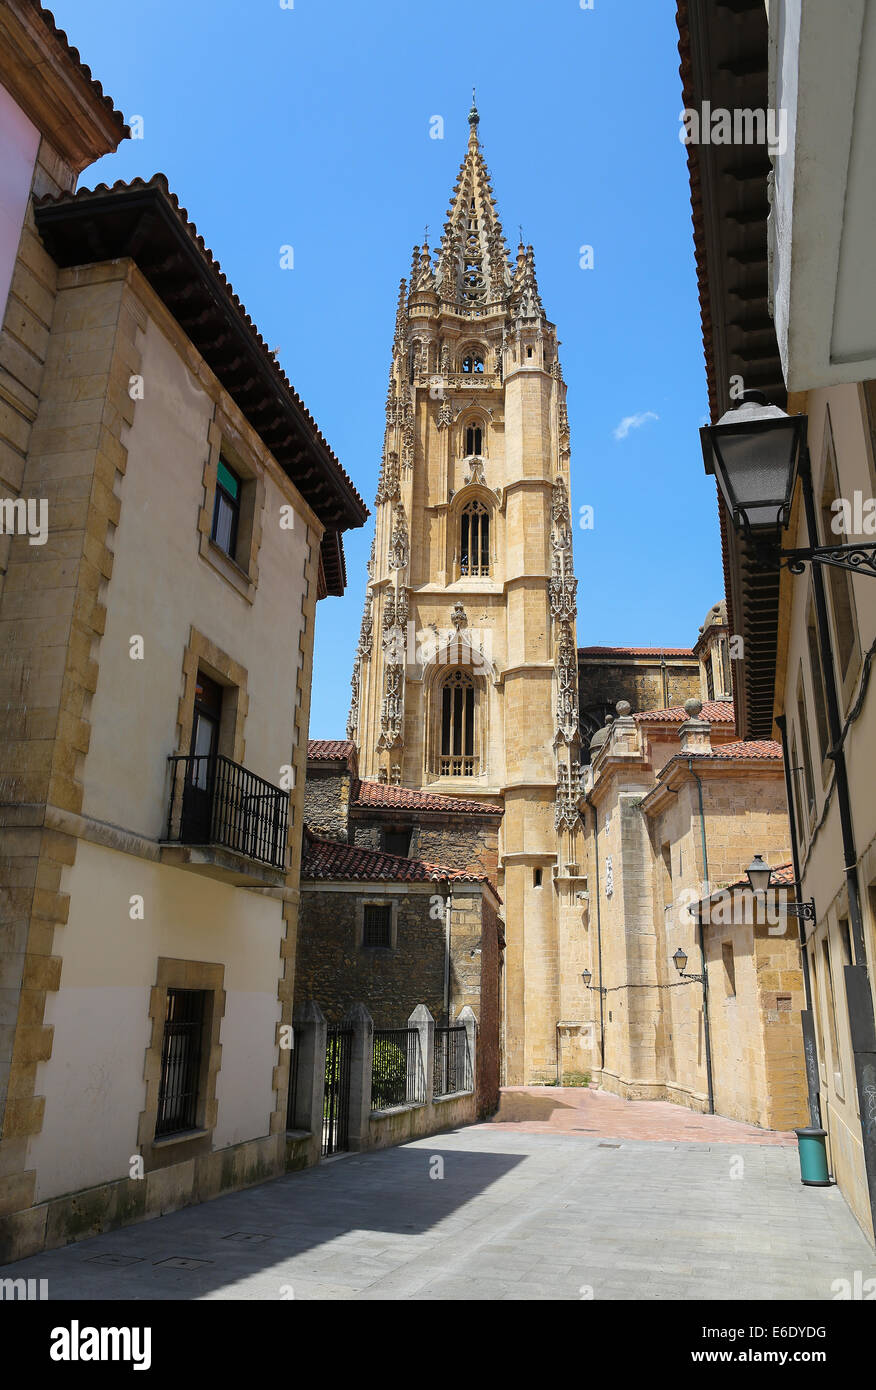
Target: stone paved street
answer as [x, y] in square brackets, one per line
[537, 1208]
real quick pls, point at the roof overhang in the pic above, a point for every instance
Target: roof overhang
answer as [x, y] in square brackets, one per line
[143, 222]
[55, 89]
[823, 83]
[724, 52]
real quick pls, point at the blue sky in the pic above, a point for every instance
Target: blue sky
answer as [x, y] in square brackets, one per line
[310, 127]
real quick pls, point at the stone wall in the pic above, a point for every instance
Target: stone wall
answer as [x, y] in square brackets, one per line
[463, 841]
[601, 685]
[335, 973]
[757, 1039]
[388, 1127]
[327, 801]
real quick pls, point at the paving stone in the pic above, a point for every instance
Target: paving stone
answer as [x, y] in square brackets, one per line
[528, 1213]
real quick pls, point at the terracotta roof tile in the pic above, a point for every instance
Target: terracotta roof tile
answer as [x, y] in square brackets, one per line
[760, 749]
[636, 651]
[408, 798]
[713, 711]
[329, 859]
[48, 20]
[783, 873]
[330, 749]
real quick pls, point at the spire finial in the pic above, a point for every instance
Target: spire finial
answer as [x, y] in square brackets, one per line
[473, 117]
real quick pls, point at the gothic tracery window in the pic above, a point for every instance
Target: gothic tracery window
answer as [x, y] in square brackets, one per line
[474, 540]
[458, 735]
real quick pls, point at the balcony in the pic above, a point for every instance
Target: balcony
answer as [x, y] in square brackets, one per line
[225, 822]
[458, 766]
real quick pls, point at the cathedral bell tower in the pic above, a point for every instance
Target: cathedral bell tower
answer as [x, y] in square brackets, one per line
[465, 678]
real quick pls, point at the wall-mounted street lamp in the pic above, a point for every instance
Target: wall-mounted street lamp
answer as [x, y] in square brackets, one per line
[587, 976]
[760, 875]
[680, 961]
[756, 451]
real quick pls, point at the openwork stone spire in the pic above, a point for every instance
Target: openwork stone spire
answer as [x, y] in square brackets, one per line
[473, 263]
[525, 298]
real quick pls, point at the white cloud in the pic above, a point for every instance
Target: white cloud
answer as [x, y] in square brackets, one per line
[634, 422]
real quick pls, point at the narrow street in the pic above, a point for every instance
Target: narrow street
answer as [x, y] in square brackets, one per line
[568, 1194]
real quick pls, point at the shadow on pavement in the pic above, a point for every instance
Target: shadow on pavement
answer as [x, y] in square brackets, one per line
[396, 1194]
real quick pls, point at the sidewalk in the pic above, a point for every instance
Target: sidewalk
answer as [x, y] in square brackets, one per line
[501, 1211]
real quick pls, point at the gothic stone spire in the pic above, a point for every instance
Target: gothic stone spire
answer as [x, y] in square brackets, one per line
[525, 298]
[473, 258]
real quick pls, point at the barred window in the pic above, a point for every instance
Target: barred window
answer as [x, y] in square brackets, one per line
[377, 925]
[185, 1012]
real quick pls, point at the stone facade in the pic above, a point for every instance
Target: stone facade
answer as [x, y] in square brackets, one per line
[336, 971]
[646, 678]
[676, 807]
[465, 678]
[327, 802]
[445, 952]
[106, 629]
[406, 833]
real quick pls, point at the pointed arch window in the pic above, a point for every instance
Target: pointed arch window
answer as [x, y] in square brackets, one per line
[474, 440]
[458, 730]
[474, 540]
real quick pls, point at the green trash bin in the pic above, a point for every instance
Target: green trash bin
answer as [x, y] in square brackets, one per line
[813, 1156]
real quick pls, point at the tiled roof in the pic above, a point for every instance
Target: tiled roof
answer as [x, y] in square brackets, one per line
[713, 712]
[761, 749]
[408, 798]
[328, 859]
[106, 223]
[784, 873]
[84, 70]
[636, 651]
[330, 749]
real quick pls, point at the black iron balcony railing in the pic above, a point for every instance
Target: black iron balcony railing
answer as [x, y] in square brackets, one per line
[214, 801]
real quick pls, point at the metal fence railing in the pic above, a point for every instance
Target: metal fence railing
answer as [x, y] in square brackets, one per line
[452, 1062]
[397, 1069]
[336, 1096]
